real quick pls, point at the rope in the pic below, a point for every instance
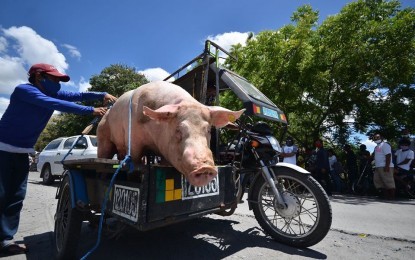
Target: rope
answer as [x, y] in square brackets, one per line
[127, 161]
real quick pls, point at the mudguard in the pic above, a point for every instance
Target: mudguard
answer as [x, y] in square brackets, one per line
[291, 166]
[79, 194]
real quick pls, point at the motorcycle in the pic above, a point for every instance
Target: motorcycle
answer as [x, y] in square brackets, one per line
[404, 182]
[288, 203]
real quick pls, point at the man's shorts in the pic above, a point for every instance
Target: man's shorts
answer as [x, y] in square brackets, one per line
[382, 179]
[405, 174]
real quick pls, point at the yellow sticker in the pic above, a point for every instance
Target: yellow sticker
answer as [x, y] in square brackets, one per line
[231, 118]
[362, 235]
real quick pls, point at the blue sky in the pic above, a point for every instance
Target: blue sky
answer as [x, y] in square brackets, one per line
[156, 37]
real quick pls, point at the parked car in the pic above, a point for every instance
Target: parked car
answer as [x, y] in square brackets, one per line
[49, 159]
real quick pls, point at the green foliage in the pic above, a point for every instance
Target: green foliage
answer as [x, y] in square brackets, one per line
[115, 79]
[357, 64]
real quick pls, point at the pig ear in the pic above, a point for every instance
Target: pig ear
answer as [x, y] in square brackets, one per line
[163, 113]
[221, 116]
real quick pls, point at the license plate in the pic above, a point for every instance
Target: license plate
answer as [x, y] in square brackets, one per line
[192, 192]
[126, 202]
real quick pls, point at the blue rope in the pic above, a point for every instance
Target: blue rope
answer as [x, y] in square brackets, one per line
[70, 150]
[126, 161]
[103, 207]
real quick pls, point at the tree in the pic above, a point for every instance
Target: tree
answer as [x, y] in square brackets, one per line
[115, 79]
[354, 72]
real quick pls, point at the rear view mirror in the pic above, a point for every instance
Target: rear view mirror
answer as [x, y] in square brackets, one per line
[80, 145]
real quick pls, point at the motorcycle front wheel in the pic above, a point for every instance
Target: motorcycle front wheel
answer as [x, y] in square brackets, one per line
[306, 219]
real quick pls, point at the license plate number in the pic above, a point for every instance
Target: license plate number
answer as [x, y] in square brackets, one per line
[192, 192]
[126, 202]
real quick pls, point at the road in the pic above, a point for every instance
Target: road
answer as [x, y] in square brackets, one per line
[363, 228]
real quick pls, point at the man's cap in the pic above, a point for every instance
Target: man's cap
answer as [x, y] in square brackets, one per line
[48, 69]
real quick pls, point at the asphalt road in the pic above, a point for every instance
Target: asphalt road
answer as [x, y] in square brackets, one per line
[363, 228]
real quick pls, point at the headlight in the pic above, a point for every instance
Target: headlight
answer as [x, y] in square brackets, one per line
[274, 142]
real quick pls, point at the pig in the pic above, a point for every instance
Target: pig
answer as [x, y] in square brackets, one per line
[168, 121]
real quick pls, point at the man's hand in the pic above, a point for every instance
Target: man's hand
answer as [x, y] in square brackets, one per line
[109, 98]
[99, 111]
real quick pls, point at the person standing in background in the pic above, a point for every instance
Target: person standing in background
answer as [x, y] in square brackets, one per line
[333, 173]
[383, 176]
[322, 166]
[404, 158]
[31, 106]
[289, 151]
[351, 165]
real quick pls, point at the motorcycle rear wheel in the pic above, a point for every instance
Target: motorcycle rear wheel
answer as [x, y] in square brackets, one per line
[308, 217]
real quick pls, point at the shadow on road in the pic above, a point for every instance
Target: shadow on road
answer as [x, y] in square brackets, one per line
[367, 200]
[55, 184]
[40, 246]
[203, 238]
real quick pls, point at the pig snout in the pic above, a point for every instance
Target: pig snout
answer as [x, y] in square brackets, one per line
[202, 176]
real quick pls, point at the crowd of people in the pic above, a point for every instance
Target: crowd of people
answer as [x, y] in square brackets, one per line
[383, 172]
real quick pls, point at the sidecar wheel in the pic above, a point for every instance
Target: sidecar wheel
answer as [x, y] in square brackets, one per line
[68, 223]
[306, 219]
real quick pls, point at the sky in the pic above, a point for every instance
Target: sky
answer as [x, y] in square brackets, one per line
[82, 37]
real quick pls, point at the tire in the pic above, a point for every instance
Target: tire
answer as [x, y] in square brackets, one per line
[68, 223]
[47, 175]
[308, 217]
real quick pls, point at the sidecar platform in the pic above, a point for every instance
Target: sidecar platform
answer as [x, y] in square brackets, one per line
[151, 196]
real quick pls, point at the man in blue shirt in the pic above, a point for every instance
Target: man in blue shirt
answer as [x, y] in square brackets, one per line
[31, 106]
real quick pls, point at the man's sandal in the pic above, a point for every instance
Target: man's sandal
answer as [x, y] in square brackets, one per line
[13, 249]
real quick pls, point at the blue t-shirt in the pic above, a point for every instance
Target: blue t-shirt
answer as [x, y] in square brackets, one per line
[30, 110]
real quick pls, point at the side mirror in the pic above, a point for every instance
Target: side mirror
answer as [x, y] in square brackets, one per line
[80, 146]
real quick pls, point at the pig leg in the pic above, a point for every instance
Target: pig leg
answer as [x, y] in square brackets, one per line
[122, 152]
[106, 149]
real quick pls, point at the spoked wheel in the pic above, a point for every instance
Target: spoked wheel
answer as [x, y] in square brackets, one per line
[68, 222]
[306, 219]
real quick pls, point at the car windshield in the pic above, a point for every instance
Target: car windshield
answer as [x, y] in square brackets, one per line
[254, 100]
[250, 89]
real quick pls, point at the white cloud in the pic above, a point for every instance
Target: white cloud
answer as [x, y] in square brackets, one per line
[29, 48]
[20, 47]
[4, 102]
[3, 44]
[73, 51]
[33, 48]
[226, 40]
[154, 74]
[84, 85]
[12, 73]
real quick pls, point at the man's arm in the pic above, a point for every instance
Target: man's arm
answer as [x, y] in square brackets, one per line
[388, 161]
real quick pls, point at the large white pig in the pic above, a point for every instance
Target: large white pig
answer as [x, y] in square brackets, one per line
[168, 121]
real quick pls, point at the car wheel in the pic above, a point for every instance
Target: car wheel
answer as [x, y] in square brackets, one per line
[47, 175]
